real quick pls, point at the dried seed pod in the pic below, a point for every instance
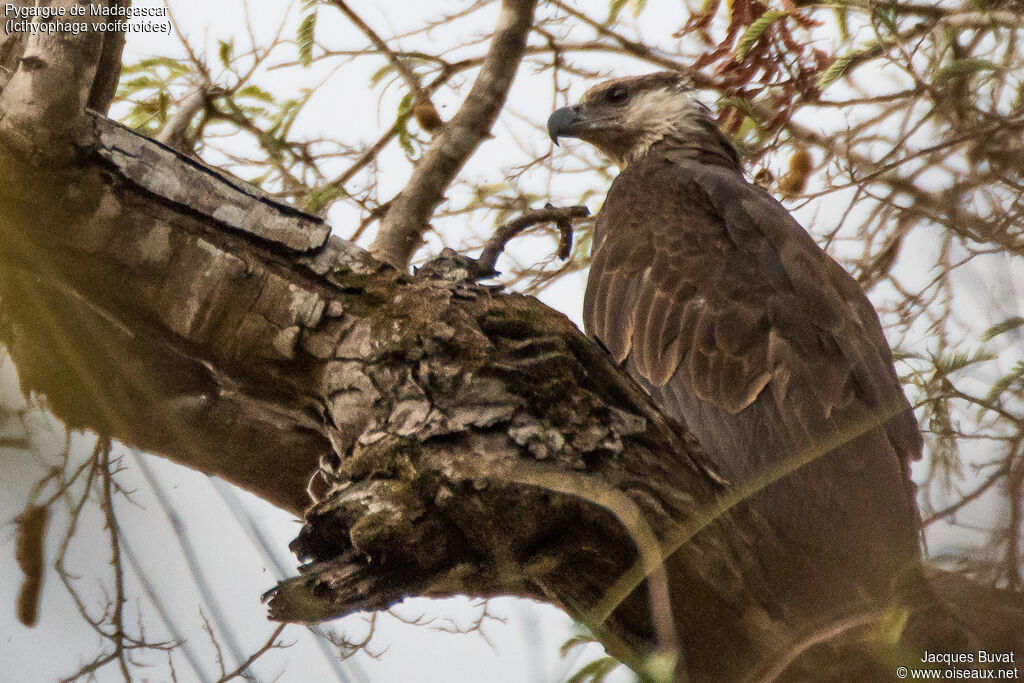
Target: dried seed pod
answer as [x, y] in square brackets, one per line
[28, 551]
[794, 179]
[764, 178]
[426, 115]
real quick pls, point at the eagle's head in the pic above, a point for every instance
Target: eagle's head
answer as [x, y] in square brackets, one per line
[624, 117]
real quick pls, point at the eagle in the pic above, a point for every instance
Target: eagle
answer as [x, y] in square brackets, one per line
[744, 330]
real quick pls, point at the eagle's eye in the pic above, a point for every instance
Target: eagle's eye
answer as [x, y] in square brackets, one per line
[617, 94]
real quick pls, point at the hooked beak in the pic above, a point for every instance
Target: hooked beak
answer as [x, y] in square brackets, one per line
[566, 122]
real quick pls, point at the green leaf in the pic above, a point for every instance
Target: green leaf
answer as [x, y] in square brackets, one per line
[943, 449]
[964, 67]
[175, 67]
[318, 198]
[288, 119]
[141, 119]
[595, 672]
[842, 24]
[305, 39]
[380, 73]
[748, 108]
[838, 68]
[401, 127]
[959, 361]
[1015, 377]
[261, 178]
[614, 9]
[887, 17]
[658, 667]
[1003, 327]
[899, 354]
[138, 83]
[163, 103]
[482, 192]
[754, 32]
[256, 93]
[891, 627]
[224, 51]
[281, 122]
[1006, 382]
[709, 6]
[575, 641]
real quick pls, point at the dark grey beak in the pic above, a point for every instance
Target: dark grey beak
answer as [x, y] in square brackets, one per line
[564, 123]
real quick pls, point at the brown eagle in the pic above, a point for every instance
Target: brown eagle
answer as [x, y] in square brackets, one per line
[720, 304]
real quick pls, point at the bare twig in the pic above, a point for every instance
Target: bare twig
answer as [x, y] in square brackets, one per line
[267, 646]
[399, 65]
[632, 47]
[368, 157]
[560, 216]
[110, 522]
[824, 634]
[476, 625]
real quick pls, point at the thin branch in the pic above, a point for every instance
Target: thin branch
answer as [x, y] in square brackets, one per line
[826, 633]
[367, 157]
[110, 521]
[632, 47]
[562, 217]
[403, 227]
[267, 646]
[968, 498]
[399, 65]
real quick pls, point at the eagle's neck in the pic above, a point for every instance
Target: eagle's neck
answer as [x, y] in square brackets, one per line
[687, 128]
[705, 145]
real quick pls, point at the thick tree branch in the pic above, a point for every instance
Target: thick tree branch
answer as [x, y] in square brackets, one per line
[108, 70]
[406, 220]
[468, 441]
[175, 130]
[52, 84]
[222, 329]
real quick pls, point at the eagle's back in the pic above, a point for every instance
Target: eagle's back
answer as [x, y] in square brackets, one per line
[742, 328]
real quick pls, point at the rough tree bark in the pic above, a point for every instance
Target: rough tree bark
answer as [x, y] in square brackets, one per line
[458, 439]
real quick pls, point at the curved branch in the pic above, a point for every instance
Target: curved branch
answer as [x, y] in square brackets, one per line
[402, 228]
[561, 217]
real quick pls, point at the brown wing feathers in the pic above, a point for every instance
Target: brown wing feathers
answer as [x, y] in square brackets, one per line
[704, 267]
[728, 313]
[680, 309]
